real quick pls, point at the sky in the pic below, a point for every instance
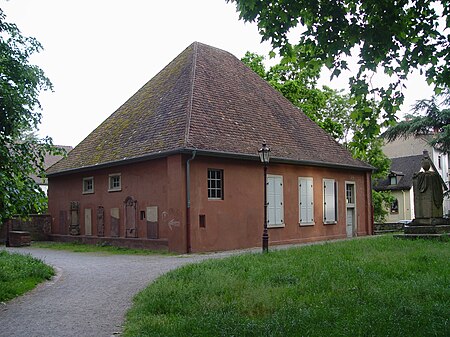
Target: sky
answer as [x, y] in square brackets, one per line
[98, 53]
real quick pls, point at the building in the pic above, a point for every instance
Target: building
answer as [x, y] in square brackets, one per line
[176, 166]
[49, 160]
[415, 146]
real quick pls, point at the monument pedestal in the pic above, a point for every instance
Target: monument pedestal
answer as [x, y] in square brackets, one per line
[428, 189]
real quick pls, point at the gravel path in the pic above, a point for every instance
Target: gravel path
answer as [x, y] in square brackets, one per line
[88, 297]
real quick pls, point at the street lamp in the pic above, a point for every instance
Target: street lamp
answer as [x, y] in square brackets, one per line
[264, 155]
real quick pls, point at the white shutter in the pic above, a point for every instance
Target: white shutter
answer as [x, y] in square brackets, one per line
[306, 200]
[275, 214]
[329, 208]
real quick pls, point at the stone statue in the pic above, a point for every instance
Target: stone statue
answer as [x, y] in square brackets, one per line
[428, 192]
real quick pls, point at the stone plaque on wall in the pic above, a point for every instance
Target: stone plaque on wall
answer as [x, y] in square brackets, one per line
[62, 222]
[74, 227]
[100, 221]
[152, 222]
[130, 217]
[87, 221]
[115, 222]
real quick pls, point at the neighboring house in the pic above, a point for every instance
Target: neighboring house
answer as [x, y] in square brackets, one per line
[416, 145]
[49, 160]
[399, 182]
[177, 166]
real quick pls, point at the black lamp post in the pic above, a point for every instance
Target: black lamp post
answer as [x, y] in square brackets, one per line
[264, 155]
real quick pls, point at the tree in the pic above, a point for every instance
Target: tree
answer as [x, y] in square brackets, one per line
[394, 36]
[299, 86]
[335, 112]
[435, 121]
[21, 152]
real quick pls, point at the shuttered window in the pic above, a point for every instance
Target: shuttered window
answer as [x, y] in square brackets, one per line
[275, 214]
[306, 199]
[329, 201]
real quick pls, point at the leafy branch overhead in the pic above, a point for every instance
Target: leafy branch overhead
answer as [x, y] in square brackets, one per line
[396, 36]
[435, 122]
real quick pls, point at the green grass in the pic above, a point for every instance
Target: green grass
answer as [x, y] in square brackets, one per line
[86, 248]
[370, 287]
[20, 273]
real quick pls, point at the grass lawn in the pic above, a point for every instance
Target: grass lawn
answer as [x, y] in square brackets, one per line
[20, 273]
[369, 287]
[85, 248]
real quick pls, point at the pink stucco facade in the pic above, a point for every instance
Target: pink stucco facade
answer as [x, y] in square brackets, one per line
[233, 221]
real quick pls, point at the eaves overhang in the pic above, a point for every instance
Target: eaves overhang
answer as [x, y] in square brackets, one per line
[210, 153]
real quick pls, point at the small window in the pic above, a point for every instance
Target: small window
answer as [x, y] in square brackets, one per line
[88, 185]
[350, 193]
[115, 182]
[393, 180]
[202, 221]
[394, 206]
[439, 162]
[215, 184]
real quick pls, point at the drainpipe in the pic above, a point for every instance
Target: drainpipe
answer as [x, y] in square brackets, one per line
[188, 202]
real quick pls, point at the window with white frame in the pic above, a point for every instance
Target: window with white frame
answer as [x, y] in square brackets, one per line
[306, 199]
[329, 201]
[215, 184]
[88, 185]
[275, 214]
[115, 182]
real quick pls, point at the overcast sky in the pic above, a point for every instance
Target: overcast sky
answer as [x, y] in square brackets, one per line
[98, 53]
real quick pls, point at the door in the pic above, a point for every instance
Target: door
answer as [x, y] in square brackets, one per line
[351, 209]
[350, 221]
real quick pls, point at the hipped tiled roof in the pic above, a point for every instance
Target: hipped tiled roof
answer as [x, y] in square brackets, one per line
[206, 99]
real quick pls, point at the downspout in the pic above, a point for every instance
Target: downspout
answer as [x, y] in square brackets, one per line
[188, 202]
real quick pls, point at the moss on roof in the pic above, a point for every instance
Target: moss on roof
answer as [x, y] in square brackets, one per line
[206, 99]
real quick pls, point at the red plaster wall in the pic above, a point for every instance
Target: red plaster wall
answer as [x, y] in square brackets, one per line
[237, 220]
[146, 182]
[233, 223]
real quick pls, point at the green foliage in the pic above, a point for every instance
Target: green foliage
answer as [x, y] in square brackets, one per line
[337, 113]
[394, 36]
[381, 201]
[21, 153]
[324, 106]
[435, 122]
[101, 247]
[20, 273]
[367, 287]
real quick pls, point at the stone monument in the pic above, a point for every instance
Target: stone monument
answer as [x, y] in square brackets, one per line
[428, 188]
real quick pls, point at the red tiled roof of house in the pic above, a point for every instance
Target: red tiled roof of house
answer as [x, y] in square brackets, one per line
[206, 99]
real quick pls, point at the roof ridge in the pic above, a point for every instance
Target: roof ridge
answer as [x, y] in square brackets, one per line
[191, 95]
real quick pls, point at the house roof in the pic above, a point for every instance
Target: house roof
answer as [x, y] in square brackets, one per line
[404, 168]
[208, 100]
[49, 160]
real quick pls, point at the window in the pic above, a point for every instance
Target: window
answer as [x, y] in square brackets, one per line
[329, 201]
[202, 221]
[115, 183]
[275, 201]
[215, 184]
[439, 162]
[394, 206]
[306, 198]
[350, 193]
[393, 180]
[88, 185]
